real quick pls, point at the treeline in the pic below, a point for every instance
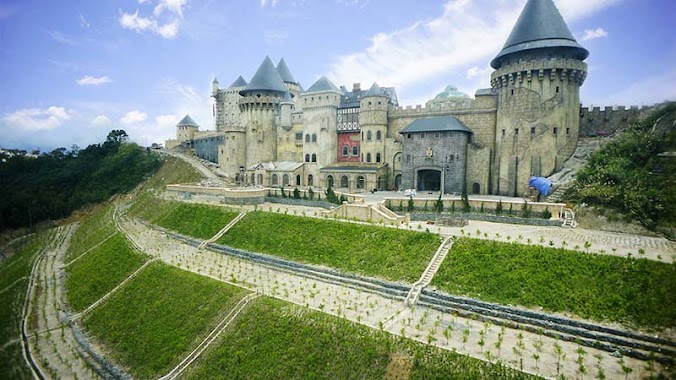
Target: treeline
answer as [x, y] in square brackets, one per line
[635, 173]
[54, 184]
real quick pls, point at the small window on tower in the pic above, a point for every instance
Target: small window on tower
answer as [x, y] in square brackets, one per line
[532, 130]
[557, 89]
[567, 131]
[555, 130]
[503, 132]
[516, 131]
[512, 92]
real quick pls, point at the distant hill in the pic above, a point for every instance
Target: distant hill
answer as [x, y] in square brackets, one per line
[52, 185]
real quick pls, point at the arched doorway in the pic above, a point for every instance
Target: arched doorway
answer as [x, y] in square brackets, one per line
[476, 188]
[310, 180]
[260, 179]
[429, 180]
[298, 180]
[329, 181]
[360, 182]
[285, 180]
[397, 182]
[343, 181]
[275, 179]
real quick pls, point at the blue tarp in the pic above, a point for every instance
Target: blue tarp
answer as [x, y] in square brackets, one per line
[540, 183]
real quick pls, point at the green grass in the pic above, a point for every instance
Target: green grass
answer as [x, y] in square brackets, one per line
[599, 287]
[172, 171]
[159, 317]
[12, 281]
[393, 254]
[97, 273]
[91, 231]
[273, 339]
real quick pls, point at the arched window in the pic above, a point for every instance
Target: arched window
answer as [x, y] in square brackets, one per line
[298, 180]
[377, 157]
[360, 182]
[476, 188]
[346, 151]
[368, 157]
[314, 157]
[343, 181]
[329, 181]
[310, 180]
[355, 150]
[285, 180]
[307, 158]
[307, 138]
[260, 179]
[275, 179]
[314, 137]
[379, 136]
[368, 135]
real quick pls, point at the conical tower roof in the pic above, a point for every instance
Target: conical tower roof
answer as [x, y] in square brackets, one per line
[187, 121]
[323, 84]
[375, 90]
[540, 26]
[284, 72]
[266, 78]
[239, 82]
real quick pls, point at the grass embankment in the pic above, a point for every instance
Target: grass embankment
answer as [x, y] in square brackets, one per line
[600, 287]
[369, 250]
[108, 259]
[159, 317]
[273, 339]
[14, 279]
[173, 171]
[197, 220]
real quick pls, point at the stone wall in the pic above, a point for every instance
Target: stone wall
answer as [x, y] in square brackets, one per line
[596, 121]
[207, 146]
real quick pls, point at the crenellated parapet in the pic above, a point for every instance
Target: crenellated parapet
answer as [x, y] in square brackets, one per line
[596, 121]
[262, 102]
[441, 109]
[540, 69]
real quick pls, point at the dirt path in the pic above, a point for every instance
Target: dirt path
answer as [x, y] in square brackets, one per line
[52, 343]
[516, 348]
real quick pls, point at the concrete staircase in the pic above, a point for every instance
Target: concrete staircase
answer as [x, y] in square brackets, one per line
[223, 230]
[558, 193]
[569, 218]
[428, 274]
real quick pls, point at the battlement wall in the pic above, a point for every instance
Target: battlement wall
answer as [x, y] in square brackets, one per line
[596, 121]
[442, 109]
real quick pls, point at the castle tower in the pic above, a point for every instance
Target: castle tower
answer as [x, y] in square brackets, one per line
[537, 76]
[373, 120]
[320, 136]
[259, 107]
[285, 74]
[186, 129]
[229, 121]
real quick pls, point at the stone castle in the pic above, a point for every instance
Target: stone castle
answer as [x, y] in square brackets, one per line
[272, 132]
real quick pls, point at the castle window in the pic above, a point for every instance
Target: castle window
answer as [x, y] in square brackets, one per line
[314, 137]
[343, 181]
[346, 151]
[556, 130]
[307, 158]
[369, 103]
[355, 150]
[377, 157]
[408, 158]
[368, 157]
[379, 102]
[422, 135]
[516, 131]
[307, 138]
[314, 157]
[408, 135]
[368, 136]
[299, 136]
[378, 136]
[567, 131]
[275, 179]
[360, 182]
[512, 92]
[437, 135]
[503, 132]
[532, 130]
[557, 89]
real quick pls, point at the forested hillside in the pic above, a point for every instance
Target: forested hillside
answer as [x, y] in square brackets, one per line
[635, 173]
[54, 184]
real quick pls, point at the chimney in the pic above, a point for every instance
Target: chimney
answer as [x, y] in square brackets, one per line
[356, 87]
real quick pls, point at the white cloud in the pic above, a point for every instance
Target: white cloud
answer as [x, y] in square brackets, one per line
[37, 119]
[164, 121]
[590, 34]
[650, 90]
[467, 34]
[272, 3]
[63, 38]
[83, 22]
[88, 80]
[134, 117]
[166, 27]
[275, 38]
[101, 121]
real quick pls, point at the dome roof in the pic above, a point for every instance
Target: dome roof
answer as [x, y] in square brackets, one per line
[539, 26]
[451, 92]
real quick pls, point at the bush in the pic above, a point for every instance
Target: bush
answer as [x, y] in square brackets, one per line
[546, 214]
[498, 208]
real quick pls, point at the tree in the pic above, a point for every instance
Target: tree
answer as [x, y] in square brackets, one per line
[465, 200]
[117, 137]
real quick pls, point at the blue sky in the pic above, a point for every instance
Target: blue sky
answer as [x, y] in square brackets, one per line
[70, 71]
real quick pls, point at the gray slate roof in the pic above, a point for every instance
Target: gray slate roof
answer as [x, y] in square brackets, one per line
[375, 90]
[540, 25]
[323, 84]
[239, 82]
[266, 78]
[284, 72]
[436, 124]
[187, 121]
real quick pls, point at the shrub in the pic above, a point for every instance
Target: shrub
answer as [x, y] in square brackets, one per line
[498, 208]
[546, 214]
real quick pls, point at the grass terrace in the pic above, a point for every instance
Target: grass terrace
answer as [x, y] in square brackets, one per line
[92, 230]
[273, 339]
[600, 287]
[159, 317]
[396, 255]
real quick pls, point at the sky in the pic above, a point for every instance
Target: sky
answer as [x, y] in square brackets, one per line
[71, 71]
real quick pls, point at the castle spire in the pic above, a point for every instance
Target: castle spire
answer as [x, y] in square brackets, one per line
[266, 78]
[540, 26]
